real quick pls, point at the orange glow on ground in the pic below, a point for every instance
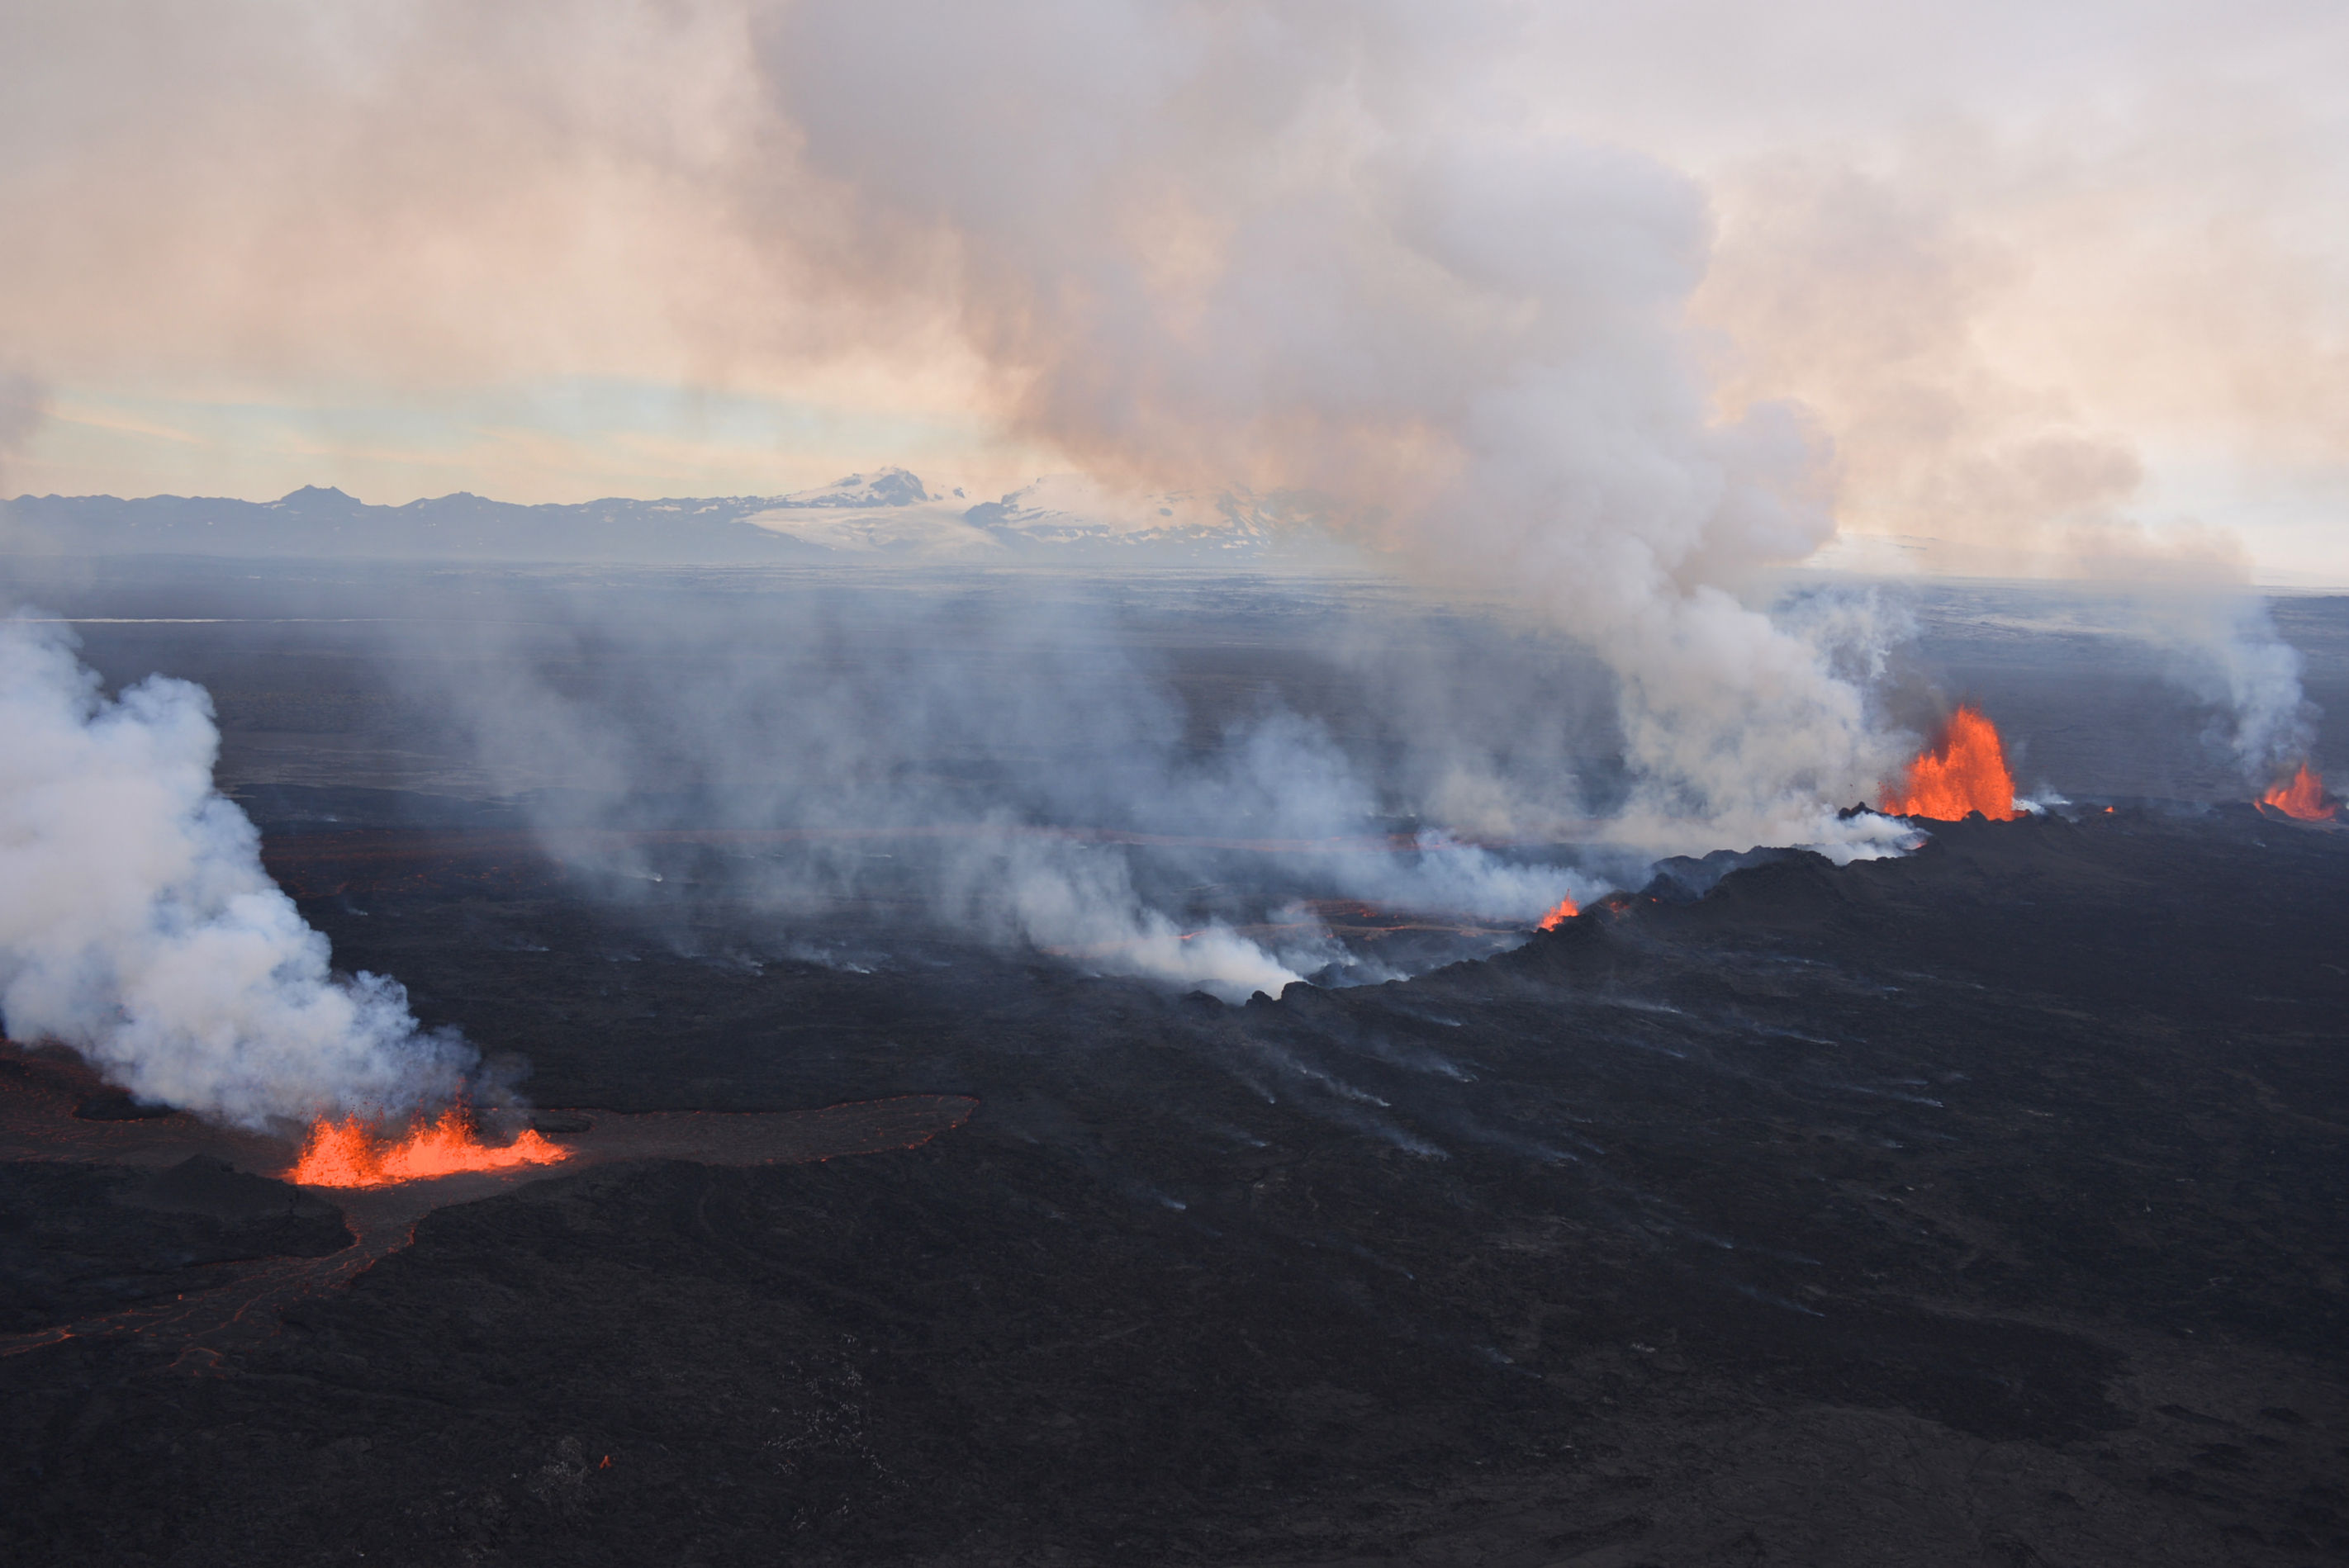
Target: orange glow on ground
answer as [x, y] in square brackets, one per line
[2303, 796]
[1566, 910]
[1962, 771]
[349, 1154]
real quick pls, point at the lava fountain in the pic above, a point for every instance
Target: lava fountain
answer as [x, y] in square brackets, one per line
[2302, 797]
[1566, 910]
[349, 1154]
[1962, 771]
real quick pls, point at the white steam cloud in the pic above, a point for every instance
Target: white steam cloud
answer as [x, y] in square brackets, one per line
[139, 927]
[1320, 248]
[999, 762]
[1300, 247]
[1870, 301]
[2227, 652]
[1084, 908]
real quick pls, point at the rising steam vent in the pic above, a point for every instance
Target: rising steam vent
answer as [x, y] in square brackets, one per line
[139, 928]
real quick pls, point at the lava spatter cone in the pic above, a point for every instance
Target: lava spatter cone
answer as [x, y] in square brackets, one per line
[1961, 771]
[353, 1153]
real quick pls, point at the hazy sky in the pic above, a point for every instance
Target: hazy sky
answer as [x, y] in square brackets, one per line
[2041, 274]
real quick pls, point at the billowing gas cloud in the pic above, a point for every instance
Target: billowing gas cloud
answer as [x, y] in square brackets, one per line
[139, 928]
[372, 206]
[1408, 260]
[1004, 760]
[1289, 246]
[1874, 299]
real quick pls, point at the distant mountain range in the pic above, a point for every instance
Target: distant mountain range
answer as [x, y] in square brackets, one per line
[887, 515]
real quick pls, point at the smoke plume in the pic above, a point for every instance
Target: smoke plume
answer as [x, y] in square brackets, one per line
[139, 928]
[1008, 762]
[1871, 299]
[1346, 248]
[1295, 247]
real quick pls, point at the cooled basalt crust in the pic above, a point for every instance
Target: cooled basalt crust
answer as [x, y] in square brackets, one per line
[1982, 1204]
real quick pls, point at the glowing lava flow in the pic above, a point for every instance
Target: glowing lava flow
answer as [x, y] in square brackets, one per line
[1964, 771]
[1566, 910]
[2303, 796]
[348, 1154]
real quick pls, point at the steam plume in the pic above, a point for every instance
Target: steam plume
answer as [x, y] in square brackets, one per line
[139, 928]
[1290, 246]
[1004, 763]
[2230, 654]
[1869, 299]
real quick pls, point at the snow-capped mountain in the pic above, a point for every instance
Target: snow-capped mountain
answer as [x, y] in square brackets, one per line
[1067, 515]
[888, 488]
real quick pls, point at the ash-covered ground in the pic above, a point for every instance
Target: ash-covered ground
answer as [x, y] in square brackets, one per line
[1985, 1205]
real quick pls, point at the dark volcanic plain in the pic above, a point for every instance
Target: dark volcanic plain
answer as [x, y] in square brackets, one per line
[1986, 1206]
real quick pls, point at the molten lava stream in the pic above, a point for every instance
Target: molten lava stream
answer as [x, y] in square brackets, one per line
[1566, 910]
[348, 1153]
[2303, 796]
[1962, 771]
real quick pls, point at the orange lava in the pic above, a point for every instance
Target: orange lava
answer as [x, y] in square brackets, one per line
[2303, 796]
[1964, 771]
[349, 1154]
[1566, 910]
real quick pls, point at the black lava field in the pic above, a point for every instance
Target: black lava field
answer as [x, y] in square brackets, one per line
[1984, 1205]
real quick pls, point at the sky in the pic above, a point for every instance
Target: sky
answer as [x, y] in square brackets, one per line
[2048, 288]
